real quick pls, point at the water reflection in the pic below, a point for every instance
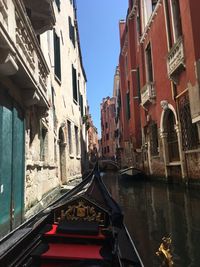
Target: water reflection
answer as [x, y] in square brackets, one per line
[153, 211]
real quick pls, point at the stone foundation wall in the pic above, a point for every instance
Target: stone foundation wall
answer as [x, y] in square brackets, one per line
[158, 167]
[193, 165]
[40, 180]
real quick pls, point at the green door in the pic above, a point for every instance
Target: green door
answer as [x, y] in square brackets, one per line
[11, 164]
[17, 167]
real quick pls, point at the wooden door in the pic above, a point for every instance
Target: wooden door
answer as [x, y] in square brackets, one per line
[11, 164]
[17, 167]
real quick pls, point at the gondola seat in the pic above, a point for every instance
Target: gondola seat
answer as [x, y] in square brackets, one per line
[78, 227]
[56, 231]
[74, 252]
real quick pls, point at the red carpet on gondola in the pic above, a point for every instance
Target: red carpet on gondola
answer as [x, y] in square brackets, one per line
[72, 252]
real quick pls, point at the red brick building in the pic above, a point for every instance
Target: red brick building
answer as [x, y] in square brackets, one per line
[130, 101]
[93, 144]
[108, 127]
[159, 79]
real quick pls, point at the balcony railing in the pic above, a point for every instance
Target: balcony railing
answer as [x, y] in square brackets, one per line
[25, 59]
[148, 93]
[41, 14]
[4, 13]
[176, 59]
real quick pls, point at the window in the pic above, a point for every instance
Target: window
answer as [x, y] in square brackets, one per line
[43, 143]
[74, 84]
[149, 68]
[58, 4]
[189, 130]
[154, 139]
[108, 149]
[106, 125]
[71, 31]
[55, 148]
[81, 104]
[168, 26]
[126, 65]
[176, 19]
[104, 150]
[107, 136]
[76, 140]
[128, 113]
[131, 3]
[57, 62]
[138, 26]
[138, 84]
[147, 7]
[69, 136]
[154, 3]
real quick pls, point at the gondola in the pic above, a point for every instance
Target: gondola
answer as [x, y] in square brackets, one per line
[132, 174]
[108, 165]
[83, 228]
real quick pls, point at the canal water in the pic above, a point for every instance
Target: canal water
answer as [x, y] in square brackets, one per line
[155, 210]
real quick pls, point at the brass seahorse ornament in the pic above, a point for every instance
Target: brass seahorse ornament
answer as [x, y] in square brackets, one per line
[164, 252]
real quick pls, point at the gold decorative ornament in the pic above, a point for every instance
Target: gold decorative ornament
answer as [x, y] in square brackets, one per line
[80, 211]
[164, 252]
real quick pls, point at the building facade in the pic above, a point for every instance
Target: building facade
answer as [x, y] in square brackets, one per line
[130, 100]
[161, 41]
[42, 102]
[93, 143]
[118, 127]
[108, 128]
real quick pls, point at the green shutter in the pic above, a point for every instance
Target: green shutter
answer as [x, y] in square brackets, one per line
[74, 84]
[11, 165]
[57, 60]
[18, 167]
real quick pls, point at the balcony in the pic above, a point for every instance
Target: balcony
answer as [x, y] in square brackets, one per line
[148, 94]
[41, 14]
[176, 60]
[22, 55]
[4, 13]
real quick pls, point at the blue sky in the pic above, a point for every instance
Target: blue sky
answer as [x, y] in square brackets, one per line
[99, 37]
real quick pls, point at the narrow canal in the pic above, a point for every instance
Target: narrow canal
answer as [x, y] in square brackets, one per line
[154, 210]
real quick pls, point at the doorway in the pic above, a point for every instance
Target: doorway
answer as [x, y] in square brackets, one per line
[11, 164]
[172, 138]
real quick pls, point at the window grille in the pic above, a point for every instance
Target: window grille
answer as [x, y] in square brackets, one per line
[172, 138]
[189, 130]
